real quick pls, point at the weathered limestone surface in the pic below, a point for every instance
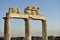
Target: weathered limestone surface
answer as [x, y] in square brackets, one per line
[44, 30]
[32, 10]
[26, 16]
[27, 30]
[29, 13]
[14, 10]
[6, 29]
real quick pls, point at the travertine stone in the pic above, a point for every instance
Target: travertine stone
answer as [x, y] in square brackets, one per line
[27, 30]
[14, 10]
[33, 13]
[29, 13]
[44, 30]
[6, 29]
[38, 12]
[32, 10]
[25, 16]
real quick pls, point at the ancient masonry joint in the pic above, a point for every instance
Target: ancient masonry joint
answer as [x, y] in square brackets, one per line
[30, 13]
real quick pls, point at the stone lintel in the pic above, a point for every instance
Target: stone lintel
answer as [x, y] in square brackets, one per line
[25, 16]
[37, 17]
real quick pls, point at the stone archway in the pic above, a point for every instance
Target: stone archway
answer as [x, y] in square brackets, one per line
[30, 13]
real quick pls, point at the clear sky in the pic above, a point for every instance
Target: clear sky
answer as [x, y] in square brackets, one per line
[49, 8]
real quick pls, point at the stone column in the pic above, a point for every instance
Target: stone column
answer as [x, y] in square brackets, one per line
[6, 29]
[44, 30]
[27, 30]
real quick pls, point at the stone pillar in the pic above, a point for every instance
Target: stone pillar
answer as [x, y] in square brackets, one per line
[44, 30]
[6, 29]
[27, 30]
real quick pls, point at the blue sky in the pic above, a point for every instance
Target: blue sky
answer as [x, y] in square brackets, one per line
[49, 8]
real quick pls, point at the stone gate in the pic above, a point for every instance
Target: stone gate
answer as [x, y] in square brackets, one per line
[30, 13]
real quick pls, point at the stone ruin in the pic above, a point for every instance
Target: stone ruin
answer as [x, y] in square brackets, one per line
[30, 13]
